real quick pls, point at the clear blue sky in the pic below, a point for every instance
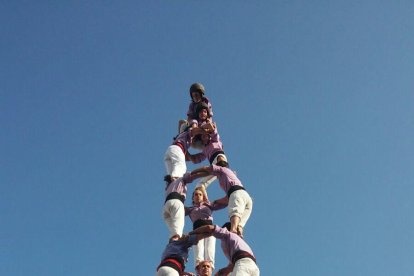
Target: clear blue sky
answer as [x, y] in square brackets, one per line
[314, 103]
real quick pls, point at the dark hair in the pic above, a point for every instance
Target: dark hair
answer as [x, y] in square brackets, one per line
[222, 163]
[200, 106]
[168, 178]
[227, 225]
[197, 87]
[197, 137]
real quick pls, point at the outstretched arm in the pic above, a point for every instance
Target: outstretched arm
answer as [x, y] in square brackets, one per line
[200, 172]
[220, 203]
[225, 270]
[205, 170]
[195, 158]
[206, 229]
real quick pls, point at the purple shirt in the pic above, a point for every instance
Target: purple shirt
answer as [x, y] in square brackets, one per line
[226, 177]
[179, 185]
[179, 248]
[184, 139]
[230, 242]
[202, 211]
[207, 152]
[192, 113]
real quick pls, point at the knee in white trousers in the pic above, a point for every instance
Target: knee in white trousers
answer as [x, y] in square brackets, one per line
[173, 214]
[241, 205]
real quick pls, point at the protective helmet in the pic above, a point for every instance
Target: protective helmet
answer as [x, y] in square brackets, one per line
[197, 87]
[201, 106]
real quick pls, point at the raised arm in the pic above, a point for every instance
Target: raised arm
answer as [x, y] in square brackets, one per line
[196, 131]
[225, 270]
[209, 127]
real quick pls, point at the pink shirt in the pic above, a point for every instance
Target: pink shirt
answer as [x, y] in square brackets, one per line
[230, 242]
[207, 152]
[179, 185]
[179, 248]
[226, 177]
[192, 113]
[184, 139]
[202, 211]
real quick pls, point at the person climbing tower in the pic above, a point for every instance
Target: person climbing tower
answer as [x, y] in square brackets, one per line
[175, 155]
[239, 254]
[173, 211]
[206, 138]
[200, 214]
[240, 204]
[197, 95]
[175, 255]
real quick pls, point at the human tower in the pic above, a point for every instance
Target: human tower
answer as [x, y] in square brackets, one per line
[199, 132]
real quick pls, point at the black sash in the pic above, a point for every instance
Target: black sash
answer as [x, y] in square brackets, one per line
[175, 262]
[233, 189]
[175, 195]
[201, 222]
[240, 255]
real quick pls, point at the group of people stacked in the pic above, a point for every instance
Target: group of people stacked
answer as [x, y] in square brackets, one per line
[199, 132]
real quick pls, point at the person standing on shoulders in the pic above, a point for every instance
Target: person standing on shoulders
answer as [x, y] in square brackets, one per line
[200, 214]
[239, 254]
[204, 268]
[240, 204]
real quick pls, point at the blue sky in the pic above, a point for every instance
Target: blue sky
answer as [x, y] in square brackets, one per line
[314, 103]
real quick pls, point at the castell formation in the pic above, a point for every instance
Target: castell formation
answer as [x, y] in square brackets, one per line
[199, 132]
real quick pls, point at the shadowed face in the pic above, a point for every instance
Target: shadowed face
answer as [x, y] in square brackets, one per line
[198, 196]
[196, 96]
[204, 269]
[205, 138]
[203, 114]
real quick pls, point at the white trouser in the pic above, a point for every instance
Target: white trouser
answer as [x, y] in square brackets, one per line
[245, 267]
[167, 271]
[241, 205]
[174, 160]
[205, 250]
[173, 214]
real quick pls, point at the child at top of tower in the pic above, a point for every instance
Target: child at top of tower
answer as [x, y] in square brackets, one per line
[205, 136]
[197, 95]
[204, 122]
[197, 91]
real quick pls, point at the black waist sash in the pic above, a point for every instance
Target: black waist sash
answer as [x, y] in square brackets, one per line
[201, 222]
[175, 195]
[233, 189]
[240, 255]
[175, 262]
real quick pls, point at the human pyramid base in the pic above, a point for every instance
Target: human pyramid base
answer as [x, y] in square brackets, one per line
[199, 131]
